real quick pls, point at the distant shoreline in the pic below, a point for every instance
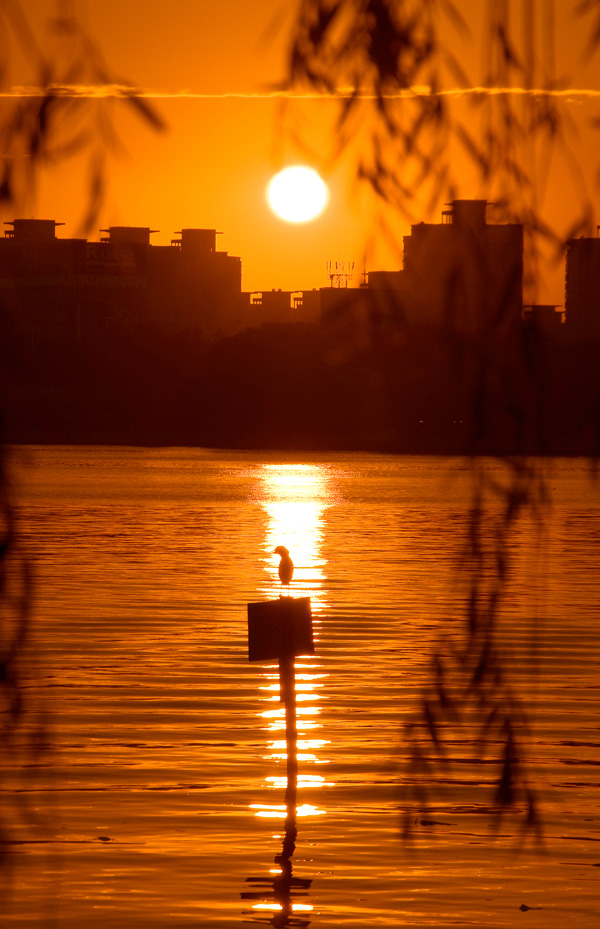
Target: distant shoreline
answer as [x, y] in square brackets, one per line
[305, 450]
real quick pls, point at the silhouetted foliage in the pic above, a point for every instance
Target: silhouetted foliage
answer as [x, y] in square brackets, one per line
[46, 124]
[390, 69]
[65, 114]
[297, 386]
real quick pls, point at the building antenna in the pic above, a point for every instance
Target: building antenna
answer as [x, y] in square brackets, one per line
[340, 273]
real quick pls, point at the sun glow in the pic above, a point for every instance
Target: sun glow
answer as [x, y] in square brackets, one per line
[297, 194]
[295, 498]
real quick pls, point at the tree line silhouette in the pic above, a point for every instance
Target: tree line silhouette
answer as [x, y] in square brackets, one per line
[298, 385]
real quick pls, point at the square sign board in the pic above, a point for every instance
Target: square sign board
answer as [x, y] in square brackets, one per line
[280, 627]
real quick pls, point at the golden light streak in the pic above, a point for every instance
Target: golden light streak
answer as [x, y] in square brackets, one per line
[301, 688]
[123, 91]
[300, 711]
[302, 744]
[304, 780]
[279, 724]
[280, 812]
[307, 809]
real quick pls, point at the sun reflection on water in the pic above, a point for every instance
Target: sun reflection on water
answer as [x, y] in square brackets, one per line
[294, 498]
[309, 745]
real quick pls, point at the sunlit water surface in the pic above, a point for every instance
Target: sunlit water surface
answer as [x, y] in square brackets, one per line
[161, 801]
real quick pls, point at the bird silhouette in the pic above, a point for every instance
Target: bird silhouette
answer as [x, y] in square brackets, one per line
[286, 565]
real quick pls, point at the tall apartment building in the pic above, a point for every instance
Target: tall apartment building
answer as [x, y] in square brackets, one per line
[72, 288]
[582, 289]
[464, 272]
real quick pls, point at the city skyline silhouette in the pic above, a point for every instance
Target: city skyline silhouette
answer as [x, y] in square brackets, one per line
[122, 341]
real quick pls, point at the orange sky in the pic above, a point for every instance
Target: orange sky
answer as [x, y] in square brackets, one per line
[210, 168]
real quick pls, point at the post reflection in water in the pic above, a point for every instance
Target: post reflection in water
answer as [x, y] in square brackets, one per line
[294, 497]
[282, 884]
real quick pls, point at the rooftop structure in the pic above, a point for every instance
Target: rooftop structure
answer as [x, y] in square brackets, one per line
[464, 272]
[128, 235]
[32, 230]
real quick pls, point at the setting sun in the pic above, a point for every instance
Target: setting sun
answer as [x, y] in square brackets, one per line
[297, 194]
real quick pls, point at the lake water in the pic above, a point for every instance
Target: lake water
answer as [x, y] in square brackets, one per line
[161, 800]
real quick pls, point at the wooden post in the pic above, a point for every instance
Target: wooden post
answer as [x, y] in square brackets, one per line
[282, 629]
[287, 689]
[287, 685]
